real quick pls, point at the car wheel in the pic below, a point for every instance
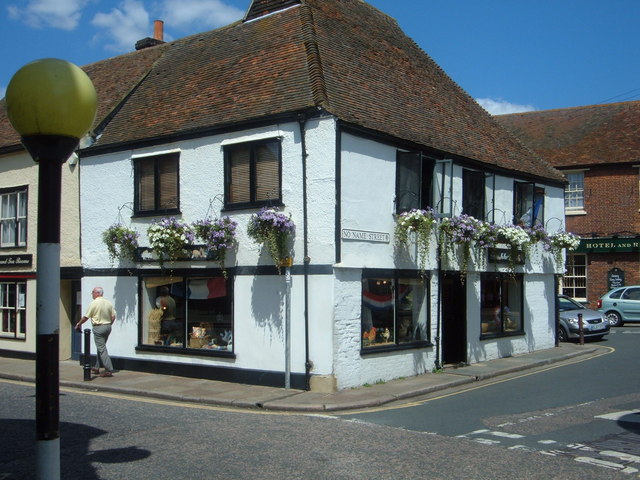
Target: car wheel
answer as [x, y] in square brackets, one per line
[615, 320]
[562, 335]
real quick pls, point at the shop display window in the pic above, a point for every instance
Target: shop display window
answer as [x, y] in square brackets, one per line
[188, 313]
[394, 310]
[13, 312]
[501, 305]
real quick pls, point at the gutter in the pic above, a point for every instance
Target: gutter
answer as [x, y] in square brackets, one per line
[302, 121]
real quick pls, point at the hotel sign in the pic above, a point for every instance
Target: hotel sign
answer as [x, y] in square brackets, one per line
[16, 260]
[608, 244]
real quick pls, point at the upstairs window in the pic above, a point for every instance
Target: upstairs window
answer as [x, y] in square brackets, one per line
[473, 193]
[528, 204]
[574, 192]
[156, 184]
[13, 218]
[414, 178]
[253, 174]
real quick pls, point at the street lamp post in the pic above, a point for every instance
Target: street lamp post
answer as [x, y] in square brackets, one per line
[52, 104]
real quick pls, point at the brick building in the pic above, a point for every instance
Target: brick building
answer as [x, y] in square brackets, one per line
[598, 148]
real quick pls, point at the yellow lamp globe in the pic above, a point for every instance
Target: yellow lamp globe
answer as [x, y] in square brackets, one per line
[51, 97]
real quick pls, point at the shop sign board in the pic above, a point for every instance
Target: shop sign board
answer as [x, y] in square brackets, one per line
[16, 260]
[615, 278]
[608, 244]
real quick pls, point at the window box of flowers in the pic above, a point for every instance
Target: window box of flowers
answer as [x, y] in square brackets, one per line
[219, 236]
[170, 239]
[121, 242]
[274, 230]
[518, 242]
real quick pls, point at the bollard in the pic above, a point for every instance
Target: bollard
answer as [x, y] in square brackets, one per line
[87, 355]
[581, 328]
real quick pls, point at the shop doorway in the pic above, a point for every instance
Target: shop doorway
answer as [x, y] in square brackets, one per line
[76, 314]
[454, 319]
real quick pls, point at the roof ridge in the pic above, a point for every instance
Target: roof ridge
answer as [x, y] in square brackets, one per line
[314, 61]
[565, 109]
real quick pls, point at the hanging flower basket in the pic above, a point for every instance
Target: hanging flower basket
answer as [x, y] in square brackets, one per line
[463, 230]
[559, 241]
[219, 236]
[421, 223]
[518, 240]
[274, 230]
[169, 239]
[121, 242]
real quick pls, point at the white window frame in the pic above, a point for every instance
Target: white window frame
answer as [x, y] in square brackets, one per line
[13, 218]
[13, 299]
[575, 277]
[575, 190]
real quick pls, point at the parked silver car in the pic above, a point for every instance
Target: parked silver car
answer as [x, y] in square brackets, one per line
[621, 305]
[594, 324]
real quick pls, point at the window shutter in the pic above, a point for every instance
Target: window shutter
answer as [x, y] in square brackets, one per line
[267, 172]
[168, 182]
[146, 195]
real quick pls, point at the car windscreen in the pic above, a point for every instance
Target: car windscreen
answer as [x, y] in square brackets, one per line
[565, 304]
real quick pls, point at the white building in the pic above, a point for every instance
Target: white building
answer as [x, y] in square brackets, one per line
[342, 128]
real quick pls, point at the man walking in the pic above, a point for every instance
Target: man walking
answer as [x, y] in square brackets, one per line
[102, 315]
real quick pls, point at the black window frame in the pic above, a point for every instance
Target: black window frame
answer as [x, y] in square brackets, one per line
[502, 277]
[157, 159]
[397, 275]
[16, 191]
[254, 201]
[473, 193]
[421, 197]
[521, 204]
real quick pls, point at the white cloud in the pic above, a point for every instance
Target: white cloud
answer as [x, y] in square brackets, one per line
[188, 15]
[502, 107]
[124, 25]
[62, 14]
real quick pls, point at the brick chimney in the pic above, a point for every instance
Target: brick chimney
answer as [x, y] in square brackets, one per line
[158, 35]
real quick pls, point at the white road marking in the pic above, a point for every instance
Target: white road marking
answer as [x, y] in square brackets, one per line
[627, 457]
[605, 464]
[615, 416]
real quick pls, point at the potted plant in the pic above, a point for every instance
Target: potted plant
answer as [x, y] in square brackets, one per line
[121, 242]
[421, 223]
[170, 238]
[273, 230]
[218, 235]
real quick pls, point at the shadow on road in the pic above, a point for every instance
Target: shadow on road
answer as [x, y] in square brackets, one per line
[18, 458]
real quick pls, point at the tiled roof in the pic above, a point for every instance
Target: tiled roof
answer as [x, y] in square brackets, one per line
[113, 80]
[343, 57]
[581, 136]
[259, 8]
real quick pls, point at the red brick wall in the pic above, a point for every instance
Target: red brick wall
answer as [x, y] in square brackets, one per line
[612, 200]
[599, 264]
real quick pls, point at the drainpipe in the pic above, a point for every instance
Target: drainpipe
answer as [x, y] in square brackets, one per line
[438, 364]
[302, 121]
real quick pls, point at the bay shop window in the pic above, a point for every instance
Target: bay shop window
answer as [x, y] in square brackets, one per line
[395, 311]
[186, 313]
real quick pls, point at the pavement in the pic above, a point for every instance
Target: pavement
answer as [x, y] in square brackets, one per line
[234, 395]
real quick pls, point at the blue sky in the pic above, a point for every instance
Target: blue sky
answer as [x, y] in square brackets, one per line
[510, 55]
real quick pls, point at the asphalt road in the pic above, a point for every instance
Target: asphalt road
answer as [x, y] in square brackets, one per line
[577, 410]
[107, 436]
